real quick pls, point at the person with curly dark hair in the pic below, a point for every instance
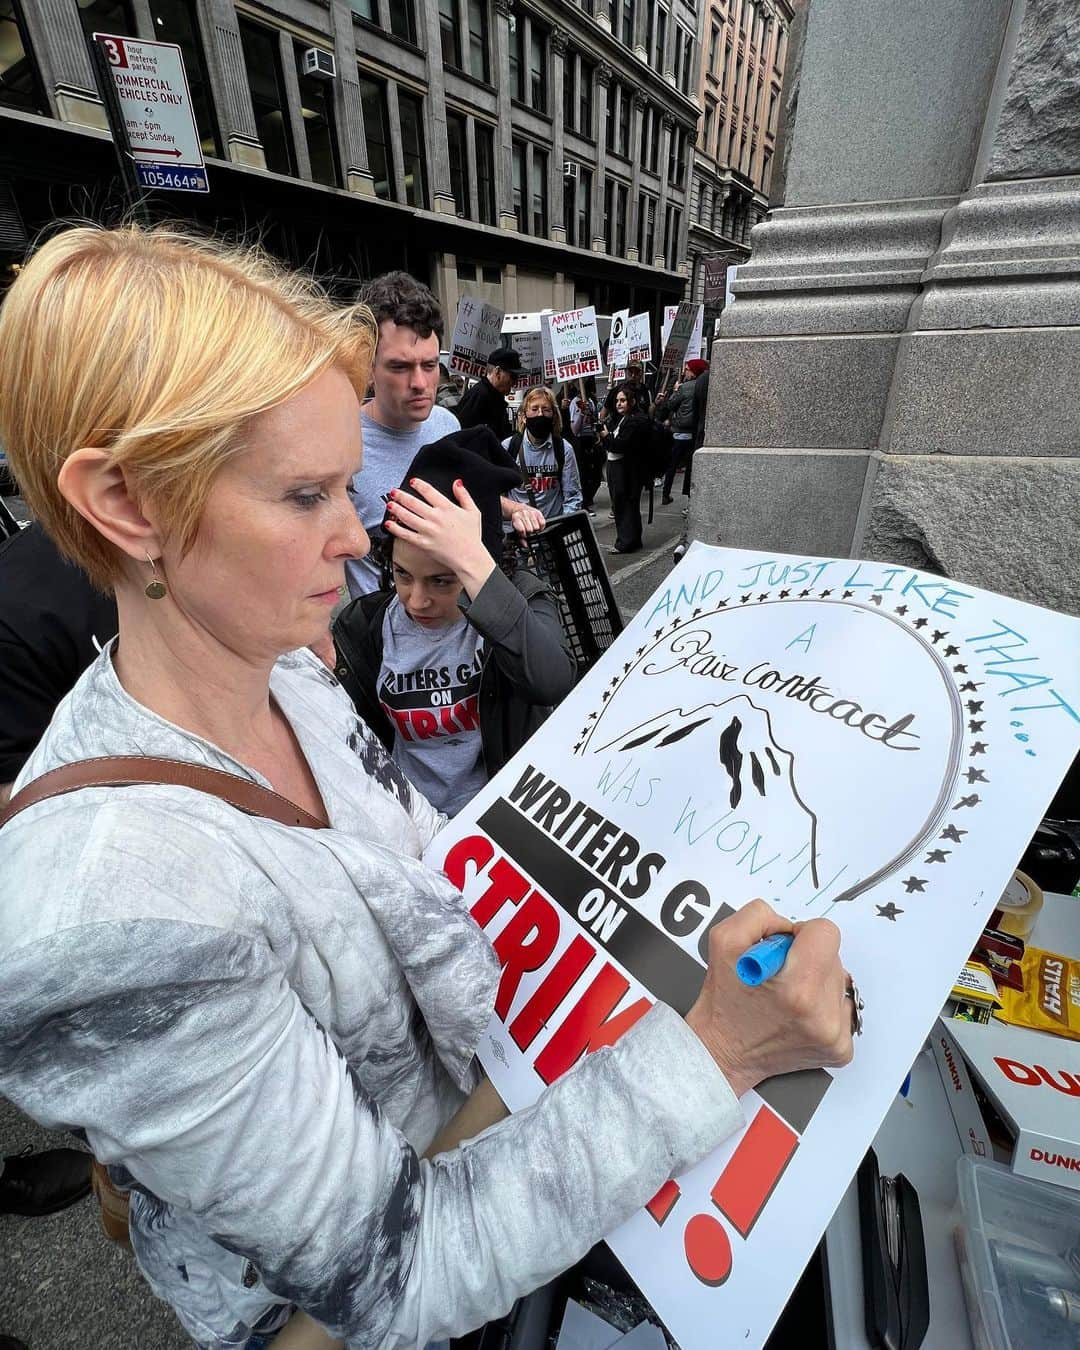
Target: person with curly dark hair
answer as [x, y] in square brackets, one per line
[402, 415]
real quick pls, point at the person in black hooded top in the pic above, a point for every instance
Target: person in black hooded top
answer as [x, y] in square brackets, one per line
[458, 664]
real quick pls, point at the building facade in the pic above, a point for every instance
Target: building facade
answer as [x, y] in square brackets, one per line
[744, 47]
[533, 154]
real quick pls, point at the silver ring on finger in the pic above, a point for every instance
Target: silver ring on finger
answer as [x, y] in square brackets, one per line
[857, 1006]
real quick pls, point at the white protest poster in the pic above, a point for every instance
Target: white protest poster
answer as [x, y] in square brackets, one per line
[575, 345]
[618, 348]
[693, 348]
[546, 348]
[677, 340]
[639, 337]
[477, 333]
[856, 740]
[531, 350]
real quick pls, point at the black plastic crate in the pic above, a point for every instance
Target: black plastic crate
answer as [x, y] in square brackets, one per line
[565, 553]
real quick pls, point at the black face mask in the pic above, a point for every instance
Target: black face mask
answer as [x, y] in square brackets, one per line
[539, 428]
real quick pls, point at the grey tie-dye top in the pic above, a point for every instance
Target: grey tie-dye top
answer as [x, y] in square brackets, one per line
[259, 1027]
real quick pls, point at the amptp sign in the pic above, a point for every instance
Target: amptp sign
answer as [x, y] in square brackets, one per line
[575, 344]
[847, 739]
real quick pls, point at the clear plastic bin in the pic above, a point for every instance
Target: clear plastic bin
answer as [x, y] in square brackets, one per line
[1019, 1247]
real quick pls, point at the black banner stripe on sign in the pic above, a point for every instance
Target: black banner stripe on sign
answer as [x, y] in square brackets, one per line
[667, 972]
[795, 1096]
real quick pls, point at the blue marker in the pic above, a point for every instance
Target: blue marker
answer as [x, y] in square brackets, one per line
[761, 961]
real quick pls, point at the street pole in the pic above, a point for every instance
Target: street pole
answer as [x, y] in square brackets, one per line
[134, 192]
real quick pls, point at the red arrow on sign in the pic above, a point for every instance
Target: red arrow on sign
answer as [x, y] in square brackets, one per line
[153, 150]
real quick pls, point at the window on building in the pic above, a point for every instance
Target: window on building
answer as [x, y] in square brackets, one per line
[373, 104]
[450, 33]
[569, 209]
[458, 156]
[539, 193]
[584, 208]
[646, 228]
[661, 39]
[518, 162]
[262, 57]
[714, 48]
[622, 198]
[707, 127]
[758, 99]
[107, 16]
[537, 69]
[727, 68]
[742, 154]
[745, 16]
[684, 58]
[626, 11]
[585, 87]
[478, 40]
[771, 124]
[624, 121]
[650, 27]
[466, 271]
[517, 58]
[317, 114]
[485, 171]
[738, 81]
[411, 118]
[677, 157]
[731, 144]
[766, 172]
[781, 48]
[19, 87]
[402, 20]
[612, 109]
[366, 9]
[569, 98]
[674, 223]
[178, 21]
[654, 141]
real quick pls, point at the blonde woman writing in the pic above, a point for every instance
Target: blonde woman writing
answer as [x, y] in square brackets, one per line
[260, 1027]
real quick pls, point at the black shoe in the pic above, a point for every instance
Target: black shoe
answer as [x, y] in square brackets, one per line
[10, 1343]
[666, 501]
[33, 1184]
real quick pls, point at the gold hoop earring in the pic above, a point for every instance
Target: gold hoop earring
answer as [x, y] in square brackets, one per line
[155, 588]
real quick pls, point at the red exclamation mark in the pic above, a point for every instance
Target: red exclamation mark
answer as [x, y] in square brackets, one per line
[741, 1193]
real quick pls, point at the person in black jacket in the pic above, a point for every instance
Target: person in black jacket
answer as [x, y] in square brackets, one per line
[458, 664]
[628, 447]
[484, 405]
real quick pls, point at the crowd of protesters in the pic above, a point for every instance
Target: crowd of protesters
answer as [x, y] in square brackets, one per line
[265, 1034]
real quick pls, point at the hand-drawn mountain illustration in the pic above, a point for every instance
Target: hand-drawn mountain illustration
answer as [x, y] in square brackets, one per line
[759, 773]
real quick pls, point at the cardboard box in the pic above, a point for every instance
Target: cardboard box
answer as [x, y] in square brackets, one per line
[1033, 1081]
[959, 1092]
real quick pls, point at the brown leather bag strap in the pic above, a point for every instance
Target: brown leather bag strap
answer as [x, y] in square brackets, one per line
[132, 770]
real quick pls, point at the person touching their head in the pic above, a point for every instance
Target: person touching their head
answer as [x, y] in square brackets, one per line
[456, 665]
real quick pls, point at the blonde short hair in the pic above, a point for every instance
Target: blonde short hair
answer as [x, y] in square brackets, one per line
[157, 346]
[553, 407]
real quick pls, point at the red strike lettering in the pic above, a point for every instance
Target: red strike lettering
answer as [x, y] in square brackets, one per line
[590, 1024]
[420, 724]
[475, 849]
[558, 982]
[524, 945]
[505, 883]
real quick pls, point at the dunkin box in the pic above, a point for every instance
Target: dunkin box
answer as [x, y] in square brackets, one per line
[1032, 1081]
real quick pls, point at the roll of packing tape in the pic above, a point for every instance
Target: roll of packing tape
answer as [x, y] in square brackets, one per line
[1019, 906]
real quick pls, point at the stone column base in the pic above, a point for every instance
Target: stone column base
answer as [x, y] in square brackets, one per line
[631, 255]
[599, 245]
[558, 234]
[658, 260]
[507, 221]
[444, 204]
[783, 501]
[243, 150]
[361, 182]
[81, 108]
